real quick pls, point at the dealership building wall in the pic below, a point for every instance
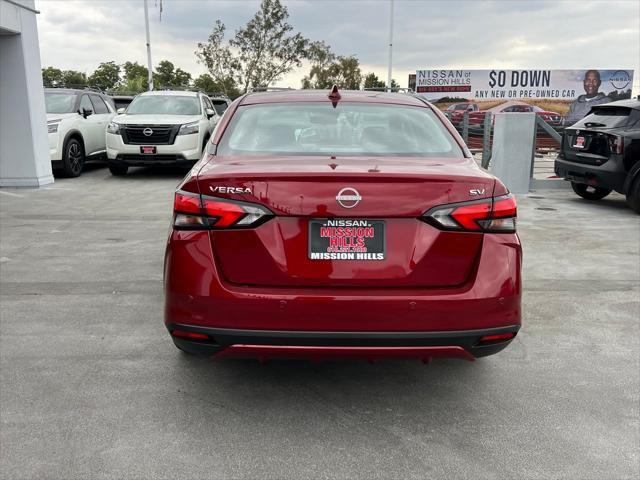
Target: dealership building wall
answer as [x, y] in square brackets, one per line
[24, 144]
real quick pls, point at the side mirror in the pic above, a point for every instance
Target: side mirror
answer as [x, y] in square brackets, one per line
[120, 111]
[210, 113]
[86, 112]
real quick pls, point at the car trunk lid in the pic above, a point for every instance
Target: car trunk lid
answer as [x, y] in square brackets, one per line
[393, 193]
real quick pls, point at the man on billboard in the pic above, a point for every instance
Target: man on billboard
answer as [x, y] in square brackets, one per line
[580, 107]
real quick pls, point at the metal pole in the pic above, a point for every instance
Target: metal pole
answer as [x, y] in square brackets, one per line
[149, 64]
[390, 48]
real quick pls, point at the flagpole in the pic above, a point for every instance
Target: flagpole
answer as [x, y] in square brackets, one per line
[149, 64]
[390, 48]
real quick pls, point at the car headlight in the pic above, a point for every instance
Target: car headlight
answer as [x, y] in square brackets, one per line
[113, 127]
[52, 127]
[189, 128]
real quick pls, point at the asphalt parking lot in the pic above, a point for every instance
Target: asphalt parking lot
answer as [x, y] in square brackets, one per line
[92, 387]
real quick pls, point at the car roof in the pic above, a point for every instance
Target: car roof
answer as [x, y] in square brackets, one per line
[365, 96]
[629, 103]
[181, 93]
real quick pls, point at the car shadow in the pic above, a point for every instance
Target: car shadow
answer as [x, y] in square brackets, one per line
[157, 172]
[312, 390]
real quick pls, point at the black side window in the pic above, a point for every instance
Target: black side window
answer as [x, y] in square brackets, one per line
[98, 104]
[85, 103]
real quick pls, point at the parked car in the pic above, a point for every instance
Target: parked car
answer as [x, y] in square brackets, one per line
[220, 102]
[456, 111]
[122, 102]
[76, 122]
[341, 224]
[160, 128]
[601, 152]
[552, 118]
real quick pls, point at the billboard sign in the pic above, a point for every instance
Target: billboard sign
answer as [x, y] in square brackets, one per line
[570, 92]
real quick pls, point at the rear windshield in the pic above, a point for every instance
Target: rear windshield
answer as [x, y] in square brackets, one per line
[59, 102]
[607, 117]
[355, 129]
[164, 105]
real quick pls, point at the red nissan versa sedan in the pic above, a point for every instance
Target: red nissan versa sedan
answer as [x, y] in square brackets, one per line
[341, 224]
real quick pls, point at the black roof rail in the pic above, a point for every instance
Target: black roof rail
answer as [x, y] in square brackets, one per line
[385, 89]
[217, 94]
[270, 89]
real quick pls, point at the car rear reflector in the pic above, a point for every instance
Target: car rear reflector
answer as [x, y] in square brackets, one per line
[486, 215]
[189, 335]
[199, 212]
[499, 337]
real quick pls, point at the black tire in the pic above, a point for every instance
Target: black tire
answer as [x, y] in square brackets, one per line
[633, 195]
[72, 158]
[588, 192]
[118, 170]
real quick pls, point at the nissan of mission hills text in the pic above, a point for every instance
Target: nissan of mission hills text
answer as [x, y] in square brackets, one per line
[334, 224]
[160, 128]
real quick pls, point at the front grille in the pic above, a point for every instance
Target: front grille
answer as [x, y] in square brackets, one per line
[160, 134]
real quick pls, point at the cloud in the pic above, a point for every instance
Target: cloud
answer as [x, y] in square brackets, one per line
[427, 34]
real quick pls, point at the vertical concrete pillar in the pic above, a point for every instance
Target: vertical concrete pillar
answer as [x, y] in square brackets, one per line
[513, 144]
[24, 142]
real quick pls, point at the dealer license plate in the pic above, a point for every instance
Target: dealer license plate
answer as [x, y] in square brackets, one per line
[580, 141]
[347, 239]
[151, 150]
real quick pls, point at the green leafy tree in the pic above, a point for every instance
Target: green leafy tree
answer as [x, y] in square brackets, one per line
[328, 69]
[133, 70]
[207, 84]
[51, 77]
[74, 79]
[167, 76]
[260, 53]
[371, 80]
[106, 76]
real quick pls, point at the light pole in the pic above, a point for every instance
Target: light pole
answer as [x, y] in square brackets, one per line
[149, 64]
[390, 48]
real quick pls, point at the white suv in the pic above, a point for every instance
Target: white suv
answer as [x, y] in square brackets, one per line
[76, 121]
[160, 128]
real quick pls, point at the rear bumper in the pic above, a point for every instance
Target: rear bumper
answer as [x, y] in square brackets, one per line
[198, 299]
[233, 343]
[609, 175]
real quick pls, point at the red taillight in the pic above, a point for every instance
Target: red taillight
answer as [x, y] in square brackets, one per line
[199, 212]
[499, 337]
[616, 144]
[486, 215]
[468, 215]
[189, 335]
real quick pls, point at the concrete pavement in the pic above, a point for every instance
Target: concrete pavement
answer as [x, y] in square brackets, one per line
[92, 387]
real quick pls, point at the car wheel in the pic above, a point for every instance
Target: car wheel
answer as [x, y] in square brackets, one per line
[589, 192]
[72, 158]
[633, 195]
[118, 170]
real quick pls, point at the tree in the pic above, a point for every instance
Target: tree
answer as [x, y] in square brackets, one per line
[167, 76]
[327, 69]
[74, 79]
[134, 70]
[51, 77]
[106, 76]
[260, 53]
[371, 80]
[206, 83]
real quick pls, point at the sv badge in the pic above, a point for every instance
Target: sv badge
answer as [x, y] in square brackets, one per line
[476, 191]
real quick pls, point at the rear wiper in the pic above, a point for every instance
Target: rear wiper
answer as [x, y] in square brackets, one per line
[594, 124]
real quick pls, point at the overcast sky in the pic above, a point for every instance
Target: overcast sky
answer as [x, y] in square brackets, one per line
[462, 34]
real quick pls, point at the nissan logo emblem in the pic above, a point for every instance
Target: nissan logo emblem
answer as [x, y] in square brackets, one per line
[348, 197]
[147, 132]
